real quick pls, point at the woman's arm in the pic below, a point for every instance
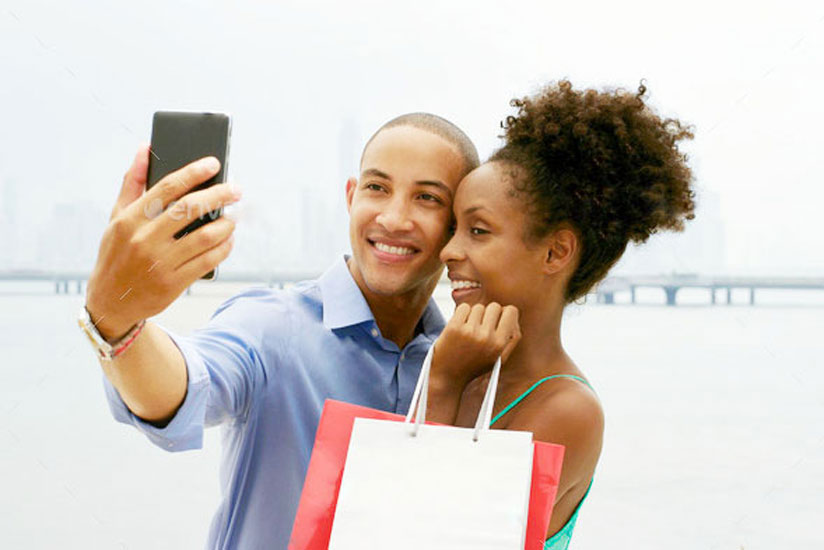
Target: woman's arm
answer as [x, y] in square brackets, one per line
[568, 414]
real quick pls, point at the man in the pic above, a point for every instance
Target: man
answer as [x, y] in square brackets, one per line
[267, 359]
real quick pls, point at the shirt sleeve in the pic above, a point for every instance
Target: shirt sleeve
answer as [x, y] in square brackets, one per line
[224, 369]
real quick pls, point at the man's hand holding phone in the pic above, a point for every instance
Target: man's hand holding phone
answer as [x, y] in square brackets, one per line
[141, 268]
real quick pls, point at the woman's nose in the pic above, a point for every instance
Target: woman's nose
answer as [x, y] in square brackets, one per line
[451, 251]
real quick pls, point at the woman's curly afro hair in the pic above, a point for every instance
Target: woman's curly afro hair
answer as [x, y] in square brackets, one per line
[602, 162]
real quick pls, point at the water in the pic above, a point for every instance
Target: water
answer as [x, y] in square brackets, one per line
[714, 434]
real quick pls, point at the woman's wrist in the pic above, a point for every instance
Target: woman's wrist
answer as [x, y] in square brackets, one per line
[445, 381]
[442, 383]
[444, 398]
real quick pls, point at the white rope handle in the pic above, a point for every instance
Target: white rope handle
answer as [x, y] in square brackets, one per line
[421, 393]
[485, 414]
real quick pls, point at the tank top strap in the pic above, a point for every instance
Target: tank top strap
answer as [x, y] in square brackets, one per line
[531, 389]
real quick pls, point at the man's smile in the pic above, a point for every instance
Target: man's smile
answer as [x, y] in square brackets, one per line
[392, 249]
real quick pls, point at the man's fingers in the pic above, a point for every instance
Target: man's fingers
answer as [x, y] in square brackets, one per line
[202, 239]
[194, 205]
[134, 182]
[200, 265]
[177, 184]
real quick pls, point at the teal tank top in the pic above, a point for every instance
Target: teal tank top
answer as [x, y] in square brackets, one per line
[560, 540]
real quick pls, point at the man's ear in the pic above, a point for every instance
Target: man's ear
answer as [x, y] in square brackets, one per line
[351, 185]
[561, 249]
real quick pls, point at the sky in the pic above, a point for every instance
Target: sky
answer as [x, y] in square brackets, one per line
[308, 82]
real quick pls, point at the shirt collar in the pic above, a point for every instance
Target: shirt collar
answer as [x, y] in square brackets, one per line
[343, 301]
[344, 304]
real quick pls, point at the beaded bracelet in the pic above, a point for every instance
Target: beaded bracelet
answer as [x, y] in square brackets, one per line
[126, 341]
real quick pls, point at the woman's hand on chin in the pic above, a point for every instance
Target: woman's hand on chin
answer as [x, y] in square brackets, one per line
[471, 342]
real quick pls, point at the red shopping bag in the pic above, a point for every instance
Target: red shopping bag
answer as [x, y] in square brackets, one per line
[316, 510]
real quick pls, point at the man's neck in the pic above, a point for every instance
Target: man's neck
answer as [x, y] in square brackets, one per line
[396, 315]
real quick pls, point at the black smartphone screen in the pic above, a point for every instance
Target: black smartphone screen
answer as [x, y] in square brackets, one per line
[179, 138]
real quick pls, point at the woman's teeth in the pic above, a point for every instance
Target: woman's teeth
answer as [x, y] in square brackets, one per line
[397, 250]
[461, 285]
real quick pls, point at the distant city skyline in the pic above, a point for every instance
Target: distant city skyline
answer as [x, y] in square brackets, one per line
[308, 83]
[317, 232]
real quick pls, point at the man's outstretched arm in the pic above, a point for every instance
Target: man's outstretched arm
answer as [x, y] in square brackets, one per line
[150, 376]
[141, 269]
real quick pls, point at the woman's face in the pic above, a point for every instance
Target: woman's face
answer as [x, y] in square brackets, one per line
[487, 258]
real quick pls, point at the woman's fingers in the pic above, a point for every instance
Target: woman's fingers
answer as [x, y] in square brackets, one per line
[492, 314]
[508, 324]
[474, 338]
[476, 315]
[493, 326]
[509, 331]
[461, 314]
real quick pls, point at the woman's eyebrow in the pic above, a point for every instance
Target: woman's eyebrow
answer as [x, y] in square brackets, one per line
[473, 209]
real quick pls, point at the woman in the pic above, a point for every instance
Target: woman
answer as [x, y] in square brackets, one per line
[581, 174]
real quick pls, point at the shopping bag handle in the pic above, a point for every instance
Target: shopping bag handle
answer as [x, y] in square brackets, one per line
[421, 393]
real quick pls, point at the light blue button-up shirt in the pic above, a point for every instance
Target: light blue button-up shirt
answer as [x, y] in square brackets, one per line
[262, 367]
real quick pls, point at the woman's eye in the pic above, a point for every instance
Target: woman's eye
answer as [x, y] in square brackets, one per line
[430, 197]
[478, 231]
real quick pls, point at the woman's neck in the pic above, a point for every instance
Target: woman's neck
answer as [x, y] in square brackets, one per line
[539, 352]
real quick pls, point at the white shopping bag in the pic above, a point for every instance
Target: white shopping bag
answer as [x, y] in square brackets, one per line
[408, 485]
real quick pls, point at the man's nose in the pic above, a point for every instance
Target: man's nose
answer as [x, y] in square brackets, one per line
[395, 216]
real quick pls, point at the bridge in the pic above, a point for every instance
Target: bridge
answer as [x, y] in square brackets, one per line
[605, 292]
[63, 280]
[671, 284]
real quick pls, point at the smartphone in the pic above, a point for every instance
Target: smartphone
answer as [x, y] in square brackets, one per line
[180, 137]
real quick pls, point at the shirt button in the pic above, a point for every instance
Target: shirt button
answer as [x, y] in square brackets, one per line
[375, 332]
[170, 445]
[403, 355]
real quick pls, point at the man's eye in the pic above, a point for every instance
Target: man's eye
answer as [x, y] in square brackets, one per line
[373, 187]
[430, 197]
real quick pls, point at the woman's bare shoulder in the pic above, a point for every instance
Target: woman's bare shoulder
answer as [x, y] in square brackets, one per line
[566, 412]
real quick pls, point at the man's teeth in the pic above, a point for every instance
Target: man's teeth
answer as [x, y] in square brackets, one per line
[397, 250]
[460, 285]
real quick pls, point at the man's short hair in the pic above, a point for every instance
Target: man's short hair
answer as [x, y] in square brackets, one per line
[440, 127]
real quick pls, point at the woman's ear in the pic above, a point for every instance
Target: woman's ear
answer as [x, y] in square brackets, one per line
[561, 248]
